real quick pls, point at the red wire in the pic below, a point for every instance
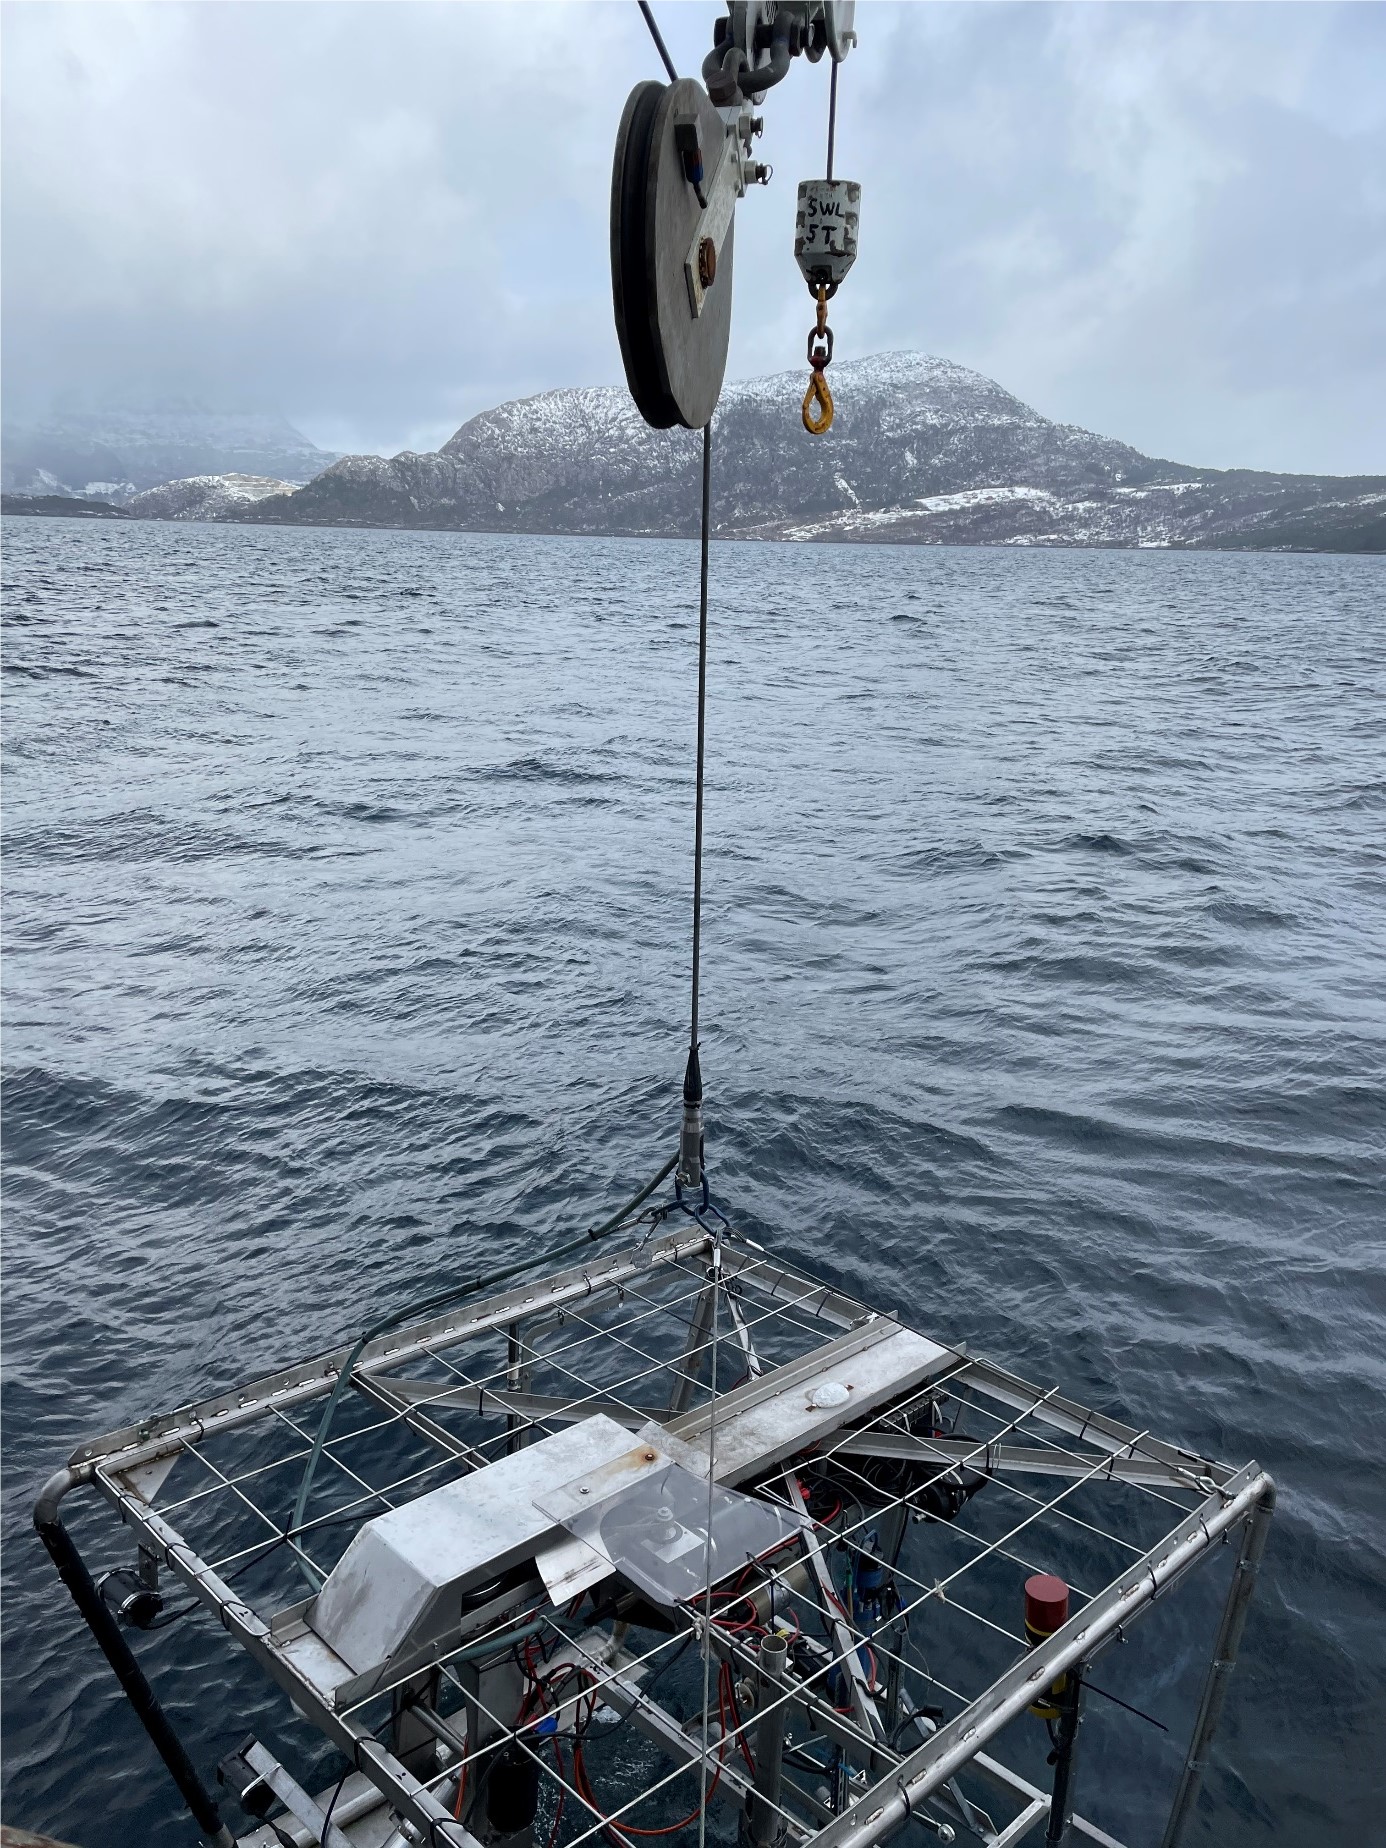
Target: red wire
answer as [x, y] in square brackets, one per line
[619, 1829]
[734, 1629]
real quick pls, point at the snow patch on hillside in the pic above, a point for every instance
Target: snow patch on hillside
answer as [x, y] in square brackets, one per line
[205, 497]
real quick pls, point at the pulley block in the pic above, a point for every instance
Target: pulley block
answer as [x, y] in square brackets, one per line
[671, 251]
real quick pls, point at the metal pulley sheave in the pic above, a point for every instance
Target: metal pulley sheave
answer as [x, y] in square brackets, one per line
[673, 193]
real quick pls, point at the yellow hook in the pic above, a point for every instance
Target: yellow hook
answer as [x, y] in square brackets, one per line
[818, 405]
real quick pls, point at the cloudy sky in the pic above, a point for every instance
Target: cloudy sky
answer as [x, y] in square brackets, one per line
[1167, 223]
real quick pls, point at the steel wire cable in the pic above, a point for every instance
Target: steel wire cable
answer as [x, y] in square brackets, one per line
[832, 119]
[656, 35]
[702, 741]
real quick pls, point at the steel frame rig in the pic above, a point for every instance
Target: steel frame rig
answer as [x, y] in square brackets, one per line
[493, 1677]
[680, 1526]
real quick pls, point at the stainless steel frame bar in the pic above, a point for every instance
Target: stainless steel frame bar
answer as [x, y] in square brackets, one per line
[314, 1379]
[882, 1810]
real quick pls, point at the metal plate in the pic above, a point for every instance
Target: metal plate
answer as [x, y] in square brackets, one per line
[675, 361]
[779, 1414]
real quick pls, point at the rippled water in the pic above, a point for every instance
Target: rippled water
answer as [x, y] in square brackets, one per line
[347, 930]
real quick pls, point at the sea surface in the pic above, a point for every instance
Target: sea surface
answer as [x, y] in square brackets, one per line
[347, 911]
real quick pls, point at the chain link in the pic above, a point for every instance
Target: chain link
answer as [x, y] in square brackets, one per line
[818, 400]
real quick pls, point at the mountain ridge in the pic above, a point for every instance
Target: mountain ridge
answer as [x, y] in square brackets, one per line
[923, 451]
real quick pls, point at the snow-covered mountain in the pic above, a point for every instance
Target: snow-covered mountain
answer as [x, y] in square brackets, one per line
[112, 454]
[922, 451]
[204, 497]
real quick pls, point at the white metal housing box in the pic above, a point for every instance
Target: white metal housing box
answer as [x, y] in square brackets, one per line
[402, 1580]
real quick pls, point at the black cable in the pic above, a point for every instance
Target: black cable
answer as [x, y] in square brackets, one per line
[607, 1732]
[702, 716]
[832, 118]
[166, 1618]
[176, 1615]
[663, 49]
[915, 1713]
[899, 1548]
[298, 1523]
[1091, 1687]
[327, 1819]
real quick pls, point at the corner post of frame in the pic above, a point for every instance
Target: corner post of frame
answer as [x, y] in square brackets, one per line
[1224, 1660]
[72, 1569]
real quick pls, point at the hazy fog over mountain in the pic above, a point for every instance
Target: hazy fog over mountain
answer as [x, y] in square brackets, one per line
[117, 451]
[376, 221]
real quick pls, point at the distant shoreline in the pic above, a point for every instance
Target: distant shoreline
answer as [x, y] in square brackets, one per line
[55, 506]
[61, 507]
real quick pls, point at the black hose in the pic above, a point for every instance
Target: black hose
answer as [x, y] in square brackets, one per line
[62, 1550]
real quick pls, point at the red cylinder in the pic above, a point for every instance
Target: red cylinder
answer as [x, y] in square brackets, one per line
[1046, 1604]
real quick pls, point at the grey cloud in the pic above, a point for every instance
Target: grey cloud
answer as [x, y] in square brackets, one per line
[1151, 220]
[1165, 223]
